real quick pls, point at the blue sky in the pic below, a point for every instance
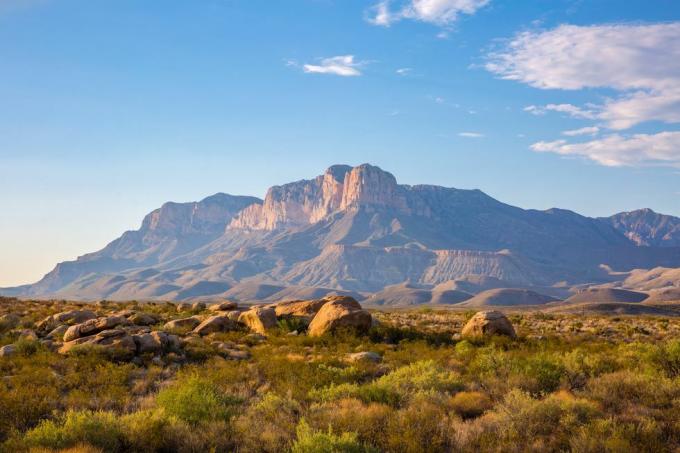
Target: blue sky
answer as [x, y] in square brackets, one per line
[108, 109]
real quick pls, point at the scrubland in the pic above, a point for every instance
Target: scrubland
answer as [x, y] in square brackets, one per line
[566, 383]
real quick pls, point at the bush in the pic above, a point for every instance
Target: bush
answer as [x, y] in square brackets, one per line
[275, 418]
[394, 387]
[98, 429]
[470, 404]
[310, 441]
[195, 400]
[667, 358]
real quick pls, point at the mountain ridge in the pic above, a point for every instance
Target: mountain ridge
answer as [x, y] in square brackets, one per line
[354, 229]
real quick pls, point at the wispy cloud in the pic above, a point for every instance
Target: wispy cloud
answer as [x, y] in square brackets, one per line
[588, 130]
[342, 65]
[439, 12]
[404, 71]
[640, 63]
[470, 134]
[618, 150]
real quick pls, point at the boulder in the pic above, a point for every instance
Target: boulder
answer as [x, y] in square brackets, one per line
[364, 357]
[487, 323]
[233, 315]
[115, 341]
[8, 350]
[217, 323]
[223, 306]
[65, 317]
[93, 326]
[143, 319]
[259, 319]
[183, 306]
[155, 342]
[57, 332]
[303, 309]
[182, 324]
[340, 313]
[198, 306]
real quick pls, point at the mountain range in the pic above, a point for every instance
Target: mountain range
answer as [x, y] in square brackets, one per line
[355, 230]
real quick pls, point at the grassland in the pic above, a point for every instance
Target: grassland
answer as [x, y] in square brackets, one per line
[577, 383]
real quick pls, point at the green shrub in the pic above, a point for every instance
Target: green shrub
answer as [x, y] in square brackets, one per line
[394, 387]
[195, 399]
[470, 404]
[275, 418]
[541, 374]
[98, 429]
[667, 358]
[310, 441]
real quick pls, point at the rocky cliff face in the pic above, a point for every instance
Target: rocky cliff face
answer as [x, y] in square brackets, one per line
[356, 228]
[296, 204]
[646, 227]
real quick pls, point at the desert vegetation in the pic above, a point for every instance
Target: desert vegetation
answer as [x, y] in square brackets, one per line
[411, 382]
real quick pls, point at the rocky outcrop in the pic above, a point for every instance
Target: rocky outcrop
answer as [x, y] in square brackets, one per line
[65, 317]
[155, 342]
[340, 313]
[303, 309]
[213, 324]
[488, 323]
[223, 306]
[93, 326]
[259, 319]
[116, 342]
[182, 324]
[296, 204]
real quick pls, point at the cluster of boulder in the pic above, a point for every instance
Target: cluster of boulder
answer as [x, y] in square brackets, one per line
[128, 333]
[319, 316]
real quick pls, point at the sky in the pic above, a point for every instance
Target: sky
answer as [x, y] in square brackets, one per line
[109, 109]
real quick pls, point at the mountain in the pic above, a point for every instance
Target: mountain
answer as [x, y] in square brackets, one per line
[646, 227]
[350, 229]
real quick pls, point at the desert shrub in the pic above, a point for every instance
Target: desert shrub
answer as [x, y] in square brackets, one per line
[195, 399]
[25, 402]
[421, 426]
[470, 404]
[394, 335]
[27, 347]
[148, 431]
[616, 436]
[667, 358]
[541, 374]
[98, 429]
[311, 441]
[97, 385]
[369, 421]
[292, 323]
[617, 391]
[394, 387]
[275, 417]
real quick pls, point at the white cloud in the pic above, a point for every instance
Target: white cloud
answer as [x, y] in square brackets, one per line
[470, 134]
[342, 65]
[439, 12]
[404, 71]
[381, 14]
[641, 62]
[617, 150]
[588, 130]
[570, 109]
